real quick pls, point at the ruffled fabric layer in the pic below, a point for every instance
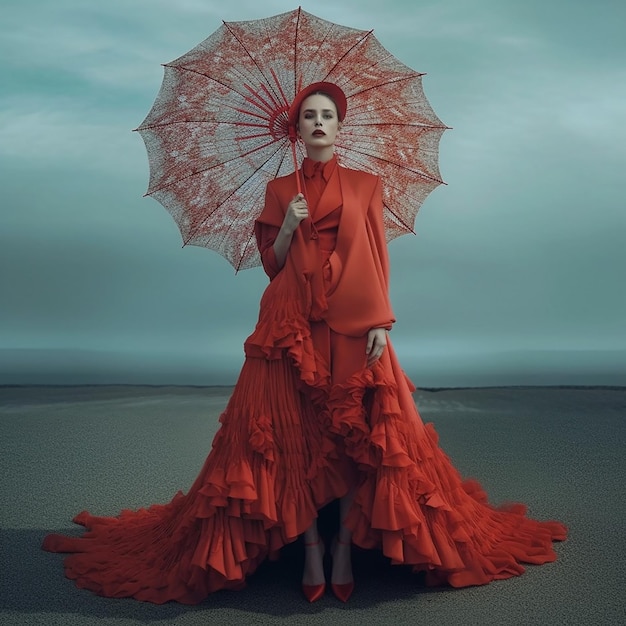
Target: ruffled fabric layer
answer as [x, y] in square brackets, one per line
[412, 503]
[289, 443]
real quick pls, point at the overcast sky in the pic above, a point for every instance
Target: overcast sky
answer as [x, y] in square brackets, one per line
[517, 272]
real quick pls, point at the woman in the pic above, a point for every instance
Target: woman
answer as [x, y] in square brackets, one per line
[321, 411]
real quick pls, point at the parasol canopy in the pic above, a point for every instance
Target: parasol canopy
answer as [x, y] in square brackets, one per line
[218, 130]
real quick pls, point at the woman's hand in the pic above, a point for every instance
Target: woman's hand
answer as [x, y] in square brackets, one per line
[376, 343]
[297, 210]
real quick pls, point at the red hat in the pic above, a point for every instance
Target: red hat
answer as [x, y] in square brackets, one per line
[331, 89]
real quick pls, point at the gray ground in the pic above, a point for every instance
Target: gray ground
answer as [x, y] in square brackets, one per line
[106, 448]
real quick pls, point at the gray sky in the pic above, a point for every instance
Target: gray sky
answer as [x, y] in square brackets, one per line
[516, 275]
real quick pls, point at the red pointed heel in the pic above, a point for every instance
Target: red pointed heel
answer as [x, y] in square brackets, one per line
[341, 591]
[313, 593]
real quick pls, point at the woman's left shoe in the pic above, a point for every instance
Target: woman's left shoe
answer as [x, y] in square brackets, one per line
[341, 591]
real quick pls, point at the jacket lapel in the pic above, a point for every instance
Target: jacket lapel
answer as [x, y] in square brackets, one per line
[331, 197]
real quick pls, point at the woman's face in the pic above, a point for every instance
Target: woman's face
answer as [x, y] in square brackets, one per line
[318, 122]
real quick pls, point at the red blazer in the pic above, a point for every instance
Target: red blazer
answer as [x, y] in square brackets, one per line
[359, 300]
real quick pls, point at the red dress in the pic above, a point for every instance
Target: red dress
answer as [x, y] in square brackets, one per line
[308, 421]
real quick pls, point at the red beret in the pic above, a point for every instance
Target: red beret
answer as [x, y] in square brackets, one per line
[329, 88]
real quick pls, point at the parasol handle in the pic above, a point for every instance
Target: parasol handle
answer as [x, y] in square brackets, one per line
[295, 166]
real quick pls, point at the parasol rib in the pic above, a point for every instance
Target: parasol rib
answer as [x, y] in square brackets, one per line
[245, 49]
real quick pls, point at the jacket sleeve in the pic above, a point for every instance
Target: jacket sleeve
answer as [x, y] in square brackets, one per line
[266, 229]
[265, 238]
[376, 229]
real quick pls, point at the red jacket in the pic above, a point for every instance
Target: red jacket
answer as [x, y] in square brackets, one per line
[359, 299]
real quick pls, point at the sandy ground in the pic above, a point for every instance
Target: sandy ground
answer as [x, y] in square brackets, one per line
[66, 449]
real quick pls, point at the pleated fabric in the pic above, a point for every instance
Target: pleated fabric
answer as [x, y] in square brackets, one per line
[291, 441]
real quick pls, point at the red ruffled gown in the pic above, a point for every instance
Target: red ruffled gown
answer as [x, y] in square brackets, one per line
[306, 422]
